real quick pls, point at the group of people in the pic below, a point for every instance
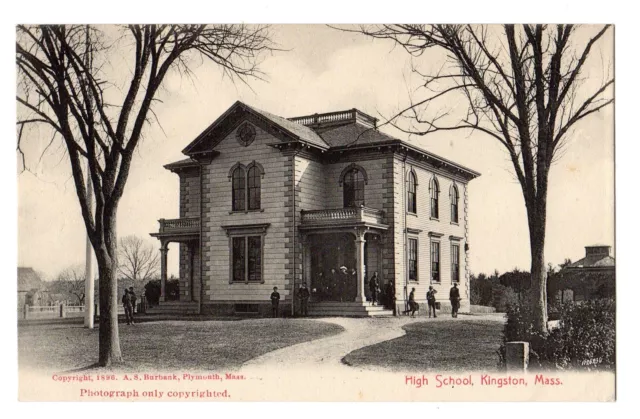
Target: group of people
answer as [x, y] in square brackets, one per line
[454, 298]
[129, 303]
[338, 285]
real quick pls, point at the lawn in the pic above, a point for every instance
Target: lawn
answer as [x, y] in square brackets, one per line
[438, 346]
[166, 345]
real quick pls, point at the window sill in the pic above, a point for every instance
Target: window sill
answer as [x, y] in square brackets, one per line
[245, 282]
[434, 218]
[454, 223]
[246, 211]
[412, 213]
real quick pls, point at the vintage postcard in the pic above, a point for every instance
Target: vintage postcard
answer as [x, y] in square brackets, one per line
[392, 212]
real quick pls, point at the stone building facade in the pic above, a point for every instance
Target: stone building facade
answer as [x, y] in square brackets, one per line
[325, 200]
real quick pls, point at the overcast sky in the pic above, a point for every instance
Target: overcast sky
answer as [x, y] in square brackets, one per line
[325, 70]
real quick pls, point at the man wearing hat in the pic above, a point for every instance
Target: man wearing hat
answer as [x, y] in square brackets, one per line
[303, 295]
[275, 302]
[431, 301]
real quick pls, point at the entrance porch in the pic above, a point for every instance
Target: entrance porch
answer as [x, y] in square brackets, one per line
[185, 232]
[342, 249]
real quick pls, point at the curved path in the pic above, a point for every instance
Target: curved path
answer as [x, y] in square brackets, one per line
[328, 352]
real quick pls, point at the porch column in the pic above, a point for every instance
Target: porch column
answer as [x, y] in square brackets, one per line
[164, 248]
[360, 241]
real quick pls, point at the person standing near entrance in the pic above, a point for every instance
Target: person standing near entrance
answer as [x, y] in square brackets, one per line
[454, 297]
[374, 287]
[343, 280]
[126, 302]
[275, 302]
[303, 295]
[413, 306]
[132, 295]
[431, 301]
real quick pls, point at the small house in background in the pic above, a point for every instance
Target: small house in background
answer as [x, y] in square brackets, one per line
[590, 278]
[30, 288]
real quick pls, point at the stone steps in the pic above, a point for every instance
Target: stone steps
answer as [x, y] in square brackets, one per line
[347, 309]
[174, 307]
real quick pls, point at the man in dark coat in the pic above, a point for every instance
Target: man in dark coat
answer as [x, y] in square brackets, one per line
[454, 297]
[132, 295]
[275, 302]
[374, 288]
[303, 295]
[431, 301]
[128, 310]
[413, 306]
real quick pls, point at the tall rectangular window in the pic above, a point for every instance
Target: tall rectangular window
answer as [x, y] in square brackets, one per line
[238, 259]
[413, 259]
[455, 263]
[246, 259]
[255, 258]
[435, 261]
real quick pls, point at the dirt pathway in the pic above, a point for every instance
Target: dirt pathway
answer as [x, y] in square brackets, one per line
[327, 353]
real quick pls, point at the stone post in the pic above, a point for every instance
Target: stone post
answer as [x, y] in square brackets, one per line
[26, 311]
[62, 311]
[360, 241]
[164, 248]
[517, 357]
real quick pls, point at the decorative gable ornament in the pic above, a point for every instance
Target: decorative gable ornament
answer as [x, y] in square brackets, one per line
[246, 134]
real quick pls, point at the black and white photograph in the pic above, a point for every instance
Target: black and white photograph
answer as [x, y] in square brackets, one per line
[316, 212]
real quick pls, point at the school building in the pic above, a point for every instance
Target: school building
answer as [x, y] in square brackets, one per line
[268, 201]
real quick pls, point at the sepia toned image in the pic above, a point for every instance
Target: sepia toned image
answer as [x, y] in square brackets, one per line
[392, 212]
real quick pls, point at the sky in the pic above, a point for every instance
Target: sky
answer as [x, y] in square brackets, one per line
[319, 70]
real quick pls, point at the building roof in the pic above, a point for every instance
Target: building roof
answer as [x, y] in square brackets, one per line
[304, 133]
[296, 131]
[28, 279]
[342, 130]
[594, 261]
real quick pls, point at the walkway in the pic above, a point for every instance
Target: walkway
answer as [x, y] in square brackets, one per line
[327, 353]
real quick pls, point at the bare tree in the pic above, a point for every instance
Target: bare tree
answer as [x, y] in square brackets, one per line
[70, 281]
[63, 84]
[137, 260]
[524, 86]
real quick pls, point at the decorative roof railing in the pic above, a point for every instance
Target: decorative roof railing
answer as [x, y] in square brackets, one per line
[352, 115]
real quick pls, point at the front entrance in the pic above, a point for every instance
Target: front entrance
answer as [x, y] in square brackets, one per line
[333, 266]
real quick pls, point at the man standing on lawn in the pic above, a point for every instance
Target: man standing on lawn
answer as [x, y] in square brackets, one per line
[431, 301]
[128, 309]
[413, 306]
[303, 294]
[275, 302]
[132, 295]
[454, 297]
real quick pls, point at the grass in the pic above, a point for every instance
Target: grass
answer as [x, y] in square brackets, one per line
[166, 345]
[442, 346]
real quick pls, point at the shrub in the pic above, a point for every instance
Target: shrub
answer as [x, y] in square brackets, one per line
[152, 291]
[584, 340]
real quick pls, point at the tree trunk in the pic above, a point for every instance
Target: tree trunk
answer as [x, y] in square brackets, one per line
[538, 292]
[109, 340]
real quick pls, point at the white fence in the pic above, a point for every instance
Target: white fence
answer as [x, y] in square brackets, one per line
[57, 311]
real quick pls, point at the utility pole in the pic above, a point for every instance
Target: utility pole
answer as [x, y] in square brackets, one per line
[89, 311]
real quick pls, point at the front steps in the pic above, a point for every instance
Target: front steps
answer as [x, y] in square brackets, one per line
[174, 307]
[347, 309]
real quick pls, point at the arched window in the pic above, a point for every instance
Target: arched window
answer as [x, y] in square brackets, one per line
[238, 188]
[434, 191]
[253, 182]
[353, 192]
[453, 194]
[411, 193]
